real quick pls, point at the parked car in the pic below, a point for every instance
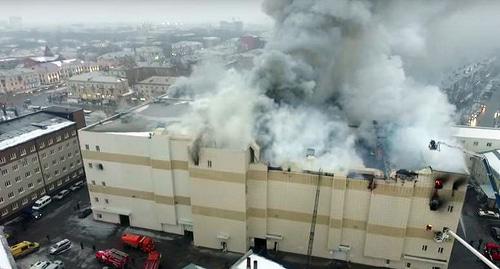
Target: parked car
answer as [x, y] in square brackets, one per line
[60, 247]
[84, 213]
[77, 185]
[495, 232]
[61, 194]
[488, 214]
[48, 265]
[41, 203]
[30, 214]
[24, 248]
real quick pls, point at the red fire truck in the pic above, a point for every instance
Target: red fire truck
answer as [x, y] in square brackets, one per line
[113, 257]
[153, 260]
[144, 243]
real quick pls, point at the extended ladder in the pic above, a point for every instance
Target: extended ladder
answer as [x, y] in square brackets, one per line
[313, 222]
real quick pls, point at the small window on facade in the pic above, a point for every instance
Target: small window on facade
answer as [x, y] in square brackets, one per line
[424, 248]
[15, 167]
[43, 155]
[11, 194]
[58, 138]
[87, 146]
[103, 183]
[13, 156]
[96, 199]
[23, 152]
[59, 148]
[37, 169]
[90, 165]
[51, 152]
[450, 208]
[440, 250]
[27, 174]
[20, 190]
[106, 201]
[32, 148]
[54, 162]
[41, 145]
[93, 182]
[73, 133]
[1, 200]
[56, 172]
[17, 179]
[209, 163]
[97, 148]
[475, 143]
[100, 166]
[488, 144]
[51, 141]
[408, 265]
[30, 185]
[33, 159]
[436, 267]
[99, 216]
[2, 160]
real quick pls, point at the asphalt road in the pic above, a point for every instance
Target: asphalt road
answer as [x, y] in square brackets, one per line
[471, 228]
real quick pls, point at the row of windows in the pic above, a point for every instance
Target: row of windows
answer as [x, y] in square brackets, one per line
[58, 139]
[24, 201]
[440, 249]
[96, 199]
[488, 144]
[102, 183]
[97, 148]
[15, 167]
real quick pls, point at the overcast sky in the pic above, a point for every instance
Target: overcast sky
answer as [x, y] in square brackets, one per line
[91, 11]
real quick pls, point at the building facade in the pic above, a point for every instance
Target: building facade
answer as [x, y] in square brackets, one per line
[18, 80]
[478, 139]
[39, 154]
[53, 73]
[153, 86]
[97, 86]
[232, 201]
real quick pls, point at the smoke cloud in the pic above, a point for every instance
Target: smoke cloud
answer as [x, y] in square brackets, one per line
[331, 65]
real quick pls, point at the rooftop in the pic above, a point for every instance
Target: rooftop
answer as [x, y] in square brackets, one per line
[158, 80]
[494, 161]
[96, 77]
[28, 127]
[144, 118]
[62, 109]
[477, 132]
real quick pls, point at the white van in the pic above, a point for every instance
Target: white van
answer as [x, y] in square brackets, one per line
[41, 203]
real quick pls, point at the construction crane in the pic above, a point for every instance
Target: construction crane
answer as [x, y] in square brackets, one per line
[435, 145]
[313, 221]
[446, 233]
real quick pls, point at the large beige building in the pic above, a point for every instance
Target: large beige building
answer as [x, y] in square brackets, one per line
[153, 86]
[140, 175]
[18, 80]
[39, 154]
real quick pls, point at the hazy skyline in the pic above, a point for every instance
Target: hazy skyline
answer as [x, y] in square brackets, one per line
[94, 11]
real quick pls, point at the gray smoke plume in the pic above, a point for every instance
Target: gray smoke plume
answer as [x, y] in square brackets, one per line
[329, 65]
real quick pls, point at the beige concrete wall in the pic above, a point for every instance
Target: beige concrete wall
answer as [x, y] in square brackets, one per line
[226, 198]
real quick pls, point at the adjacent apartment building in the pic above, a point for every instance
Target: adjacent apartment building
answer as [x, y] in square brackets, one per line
[18, 80]
[39, 154]
[98, 87]
[141, 175]
[153, 87]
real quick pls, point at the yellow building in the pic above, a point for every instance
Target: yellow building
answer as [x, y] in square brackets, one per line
[141, 175]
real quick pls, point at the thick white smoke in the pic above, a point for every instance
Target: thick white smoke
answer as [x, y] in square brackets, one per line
[329, 65]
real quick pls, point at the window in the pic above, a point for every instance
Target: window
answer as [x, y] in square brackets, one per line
[488, 144]
[64, 168]
[17, 178]
[59, 148]
[30, 185]
[408, 265]
[440, 250]
[67, 145]
[4, 172]
[70, 154]
[34, 196]
[436, 267]
[43, 155]
[61, 158]
[71, 165]
[58, 138]
[15, 206]
[37, 170]
[99, 216]
[24, 162]
[23, 152]
[33, 159]
[25, 201]
[56, 172]
[66, 135]
[90, 165]
[450, 208]
[100, 166]
[78, 161]
[54, 162]
[73, 132]
[97, 148]
[45, 166]
[39, 181]
[15, 167]
[41, 145]
[51, 151]
[2, 160]
[59, 183]
[20, 190]
[13, 156]
[96, 199]
[27, 174]
[106, 201]
[103, 183]
[76, 151]
[5, 212]
[51, 141]
[475, 143]
[209, 163]
[93, 182]
[11, 194]
[424, 248]
[1, 200]
[87, 146]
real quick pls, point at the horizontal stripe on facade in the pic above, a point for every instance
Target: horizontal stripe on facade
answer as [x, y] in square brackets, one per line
[229, 177]
[218, 213]
[135, 160]
[144, 195]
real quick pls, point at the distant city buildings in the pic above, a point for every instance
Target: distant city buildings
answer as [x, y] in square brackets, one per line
[18, 80]
[97, 87]
[153, 86]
